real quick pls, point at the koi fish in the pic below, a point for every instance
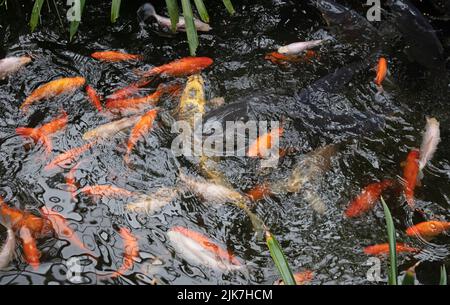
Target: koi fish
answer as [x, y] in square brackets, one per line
[181, 67]
[410, 174]
[107, 191]
[147, 10]
[110, 129]
[298, 47]
[41, 134]
[282, 59]
[141, 128]
[69, 155]
[381, 73]
[262, 146]
[152, 203]
[11, 65]
[7, 250]
[367, 199]
[70, 179]
[52, 89]
[192, 99]
[431, 139]
[259, 192]
[383, 249]
[199, 249]
[30, 250]
[428, 229]
[61, 228]
[94, 98]
[129, 90]
[301, 278]
[115, 56]
[131, 251]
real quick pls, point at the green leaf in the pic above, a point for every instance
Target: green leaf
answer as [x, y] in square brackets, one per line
[191, 31]
[409, 277]
[172, 8]
[279, 259]
[35, 14]
[75, 23]
[443, 280]
[202, 10]
[229, 6]
[115, 10]
[392, 245]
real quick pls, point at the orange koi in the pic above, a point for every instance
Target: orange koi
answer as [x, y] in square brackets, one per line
[410, 174]
[106, 190]
[181, 67]
[282, 59]
[428, 229]
[263, 144]
[52, 89]
[141, 127]
[30, 250]
[68, 156]
[41, 134]
[70, 179]
[131, 251]
[94, 98]
[115, 56]
[128, 90]
[367, 199]
[151, 99]
[259, 192]
[383, 249]
[381, 72]
[301, 278]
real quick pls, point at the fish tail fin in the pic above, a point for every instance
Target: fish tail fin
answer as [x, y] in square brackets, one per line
[29, 133]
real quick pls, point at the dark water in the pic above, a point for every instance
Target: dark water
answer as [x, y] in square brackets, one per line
[377, 136]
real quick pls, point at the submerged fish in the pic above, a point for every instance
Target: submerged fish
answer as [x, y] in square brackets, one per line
[9, 246]
[181, 67]
[107, 191]
[69, 155]
[430, 141]
[11, 65]
[110, 129]
[367, 199]
[199, 249]
[301, 278]
[283, 59]
[150, 204]
[143, 125]
[30, 249]
[147, 10]
[410, 175]
[298, 47]
[129, 90]
[383, 249]
[381, 73]
[130, 251]
[262, 146]
[94, 98]
[115, 56]
[428, 229]
[52, 89]
[42, 134]
[192, 100]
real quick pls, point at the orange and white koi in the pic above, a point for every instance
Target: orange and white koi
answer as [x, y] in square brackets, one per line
[69, 155]
[428, 229]
[52, 89]
[150, 204]
[410, 175]
[197, 248]
[263, 144]
[181, 67]
[71, 182]
[115, 56]
[131, 251]
[41, 134]
[367, 199]
[430, 141]
[7, 250]
[141, 128]
[30, 250]
[94, 98]
[383, 249]
[381, 73]
[110, 129]
[298, 47]
[107, 191]
[11, 65]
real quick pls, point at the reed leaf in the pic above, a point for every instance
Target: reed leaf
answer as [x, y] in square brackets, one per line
[36, 14]
[443, 280]
[279, 259]
[392, 275]
[73, 28]
[115, 10]
[191, 31]
[229, 6]
[202, 10]
[409, 277]
[173, 10]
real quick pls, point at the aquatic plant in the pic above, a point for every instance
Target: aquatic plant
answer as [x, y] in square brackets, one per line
[172, 8]
[279, 259]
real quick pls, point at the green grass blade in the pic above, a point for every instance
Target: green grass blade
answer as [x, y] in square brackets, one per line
[280, 260]
[229, 6]
[36, 14]
[443, 280]
[76, 23]
[115, 10]
[173, 10]
[392, 275]
[409, 277]
[202, 10]
[191, 31]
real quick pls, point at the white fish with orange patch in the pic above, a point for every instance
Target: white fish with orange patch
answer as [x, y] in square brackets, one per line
[431, 139]
[7, 250]
[11, 65]
[298, 47]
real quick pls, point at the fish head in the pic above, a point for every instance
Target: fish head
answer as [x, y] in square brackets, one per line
[24, 60]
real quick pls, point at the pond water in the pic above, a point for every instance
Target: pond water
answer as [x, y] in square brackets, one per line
[374, 133]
